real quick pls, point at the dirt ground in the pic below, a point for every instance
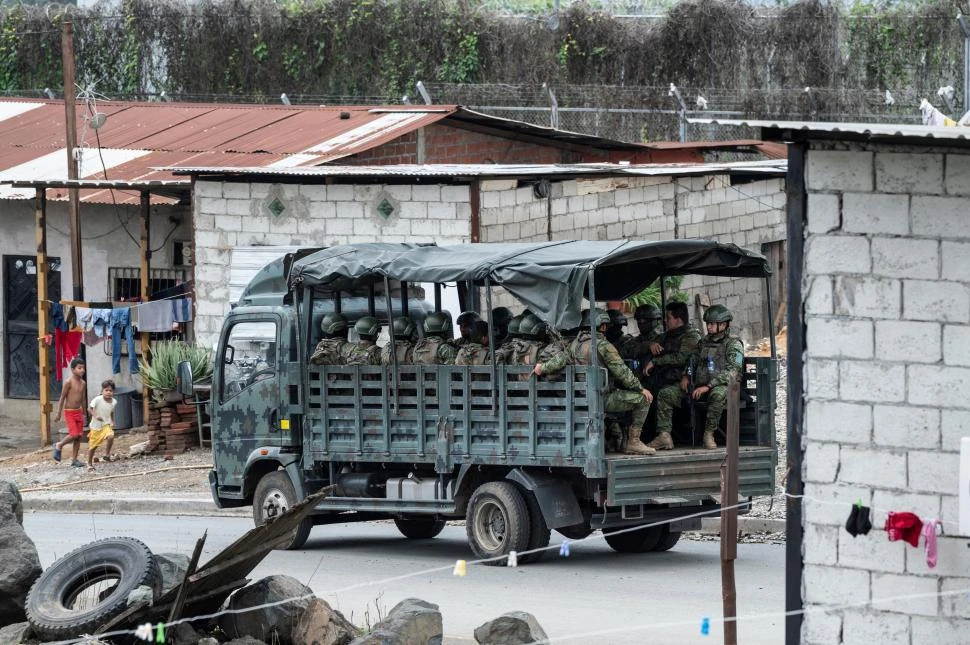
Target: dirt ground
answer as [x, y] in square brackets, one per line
[33, 469]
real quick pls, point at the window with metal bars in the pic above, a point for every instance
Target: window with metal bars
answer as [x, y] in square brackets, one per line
[124, 283]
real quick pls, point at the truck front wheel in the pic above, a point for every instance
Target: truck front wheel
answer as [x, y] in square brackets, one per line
[497, 522]
[420, 529]
[274, 496]
[637, 541]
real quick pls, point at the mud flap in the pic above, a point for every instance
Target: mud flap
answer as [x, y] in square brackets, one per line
[555, 497]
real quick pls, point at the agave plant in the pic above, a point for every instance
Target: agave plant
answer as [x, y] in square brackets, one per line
[160, 374]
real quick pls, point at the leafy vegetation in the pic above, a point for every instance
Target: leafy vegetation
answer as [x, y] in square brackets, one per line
[651, 295]
[160, 374]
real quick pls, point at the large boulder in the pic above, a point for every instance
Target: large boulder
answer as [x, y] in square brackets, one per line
[15, 634]
[11, 503]
[19, 568]
[173, 567]
[320, 624]
[411, 622]
[272, 624]
[512, 628]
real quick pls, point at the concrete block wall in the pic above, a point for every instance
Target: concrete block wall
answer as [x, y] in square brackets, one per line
[648, 208]
[886, 305]
[231, 214]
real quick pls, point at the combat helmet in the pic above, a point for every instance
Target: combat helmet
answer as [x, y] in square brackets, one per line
[402, 328]
[647, 312]
[468, 318]
[616, 317]
[438, 322]
[531, 327]
[367, 327]
[333, 323]
[514, 325]
[501, 316]
[717, 314]
[602, 318]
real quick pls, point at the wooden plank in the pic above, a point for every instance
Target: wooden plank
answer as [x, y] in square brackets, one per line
[43, 309]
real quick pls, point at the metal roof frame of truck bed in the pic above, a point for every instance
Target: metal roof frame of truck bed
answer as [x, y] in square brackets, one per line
[548, 277]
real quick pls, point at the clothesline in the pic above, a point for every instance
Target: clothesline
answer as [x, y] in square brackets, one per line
[120, 304]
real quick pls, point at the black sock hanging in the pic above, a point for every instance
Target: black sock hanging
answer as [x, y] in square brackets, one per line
[852, 524]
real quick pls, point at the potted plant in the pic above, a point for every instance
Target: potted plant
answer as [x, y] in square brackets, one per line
[159, 375]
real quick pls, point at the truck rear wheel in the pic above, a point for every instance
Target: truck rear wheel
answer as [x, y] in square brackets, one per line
[667, 540]
[419, 529]
[539, 533]
[497, 522]
[274, 496]
[638, 541]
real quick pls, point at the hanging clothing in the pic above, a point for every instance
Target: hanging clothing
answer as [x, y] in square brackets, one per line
[101, 322]
[182, 310]
[85, 318]
[121, 331]
[58, 319]
[155, 316]
[67, 344]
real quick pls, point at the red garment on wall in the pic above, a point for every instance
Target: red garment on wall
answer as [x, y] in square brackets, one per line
[66, 347]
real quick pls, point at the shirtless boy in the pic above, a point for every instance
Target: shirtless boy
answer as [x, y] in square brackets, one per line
[71, 405]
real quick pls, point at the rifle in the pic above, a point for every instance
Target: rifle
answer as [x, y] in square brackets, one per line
[691, 412]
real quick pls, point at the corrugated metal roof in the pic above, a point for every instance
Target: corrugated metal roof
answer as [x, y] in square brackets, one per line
[465, 171]
[788, 130]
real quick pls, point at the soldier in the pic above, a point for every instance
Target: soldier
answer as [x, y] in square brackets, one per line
[475, 351]
[434, 348]
[675, 347]
[501, 317]
[466, 320]
[615, 334]
[365, 351]
[647, 317]
[505, 351]
[717, 358]
[333, 347]
[401, 330]
[552, 356]
[630, 397]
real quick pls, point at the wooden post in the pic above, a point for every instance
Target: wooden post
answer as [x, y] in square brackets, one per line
[146, 256]
[729, 517]
[70, 122]
[40, 212]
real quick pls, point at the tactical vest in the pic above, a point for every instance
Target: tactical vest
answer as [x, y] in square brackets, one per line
[432, 351]
[329, 351]
[404, 351]
[472, 354]
[715, 353]
[364, 353]
[673, 341]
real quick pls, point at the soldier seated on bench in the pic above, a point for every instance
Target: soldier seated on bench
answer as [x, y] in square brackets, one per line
[717, 358]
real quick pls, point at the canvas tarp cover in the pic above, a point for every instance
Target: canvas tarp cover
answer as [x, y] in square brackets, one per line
[549, 277]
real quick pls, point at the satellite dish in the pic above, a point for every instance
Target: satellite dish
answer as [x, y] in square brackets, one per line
[97, 120]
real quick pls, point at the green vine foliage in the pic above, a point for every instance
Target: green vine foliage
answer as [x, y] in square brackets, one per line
[651, 295]
[378, 49]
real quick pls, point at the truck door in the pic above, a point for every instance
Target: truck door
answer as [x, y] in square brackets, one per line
[246, 396]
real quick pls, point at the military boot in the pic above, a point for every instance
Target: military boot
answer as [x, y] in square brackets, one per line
[663, 441]
[633, 444]
[709, 442]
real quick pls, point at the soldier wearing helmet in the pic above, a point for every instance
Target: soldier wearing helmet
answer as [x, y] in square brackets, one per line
[616, 333]
[434, 348]
[475, 351]
[401, 329]
[505, 352]
[624, 392]
[333, 348]
[717, 358]
[648, 323]
[552, 355]
[365, 351]
[466, 321]
[501, 317]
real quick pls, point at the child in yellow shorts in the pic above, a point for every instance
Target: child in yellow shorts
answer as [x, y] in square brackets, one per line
[102, 410]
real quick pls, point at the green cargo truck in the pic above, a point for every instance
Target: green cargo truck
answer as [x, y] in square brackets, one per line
[513, 455]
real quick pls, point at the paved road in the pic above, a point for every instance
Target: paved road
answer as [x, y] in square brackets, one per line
[650, 598]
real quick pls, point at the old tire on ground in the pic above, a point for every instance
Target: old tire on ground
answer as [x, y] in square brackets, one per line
[539, 533]
[420, 529]
[89, 586]
[638, 541]
[274, 496]
[667, 540]
[497, 522]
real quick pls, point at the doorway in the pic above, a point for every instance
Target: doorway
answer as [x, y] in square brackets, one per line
[21, 365]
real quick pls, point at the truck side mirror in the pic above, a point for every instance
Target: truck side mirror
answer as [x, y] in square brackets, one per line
[183, 379]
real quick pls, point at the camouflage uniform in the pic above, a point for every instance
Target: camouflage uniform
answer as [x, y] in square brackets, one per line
[404, 350]
[723, 352]
[678, 345]
[434, 351]
[365, 352]
[554, 358]
[628, 399]
[331, 351]
[472, 353]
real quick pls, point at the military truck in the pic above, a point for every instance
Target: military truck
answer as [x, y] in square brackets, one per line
[514, 455]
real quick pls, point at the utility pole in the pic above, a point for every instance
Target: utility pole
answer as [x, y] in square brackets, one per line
[965, 30]
[729, 517]
[74, 206]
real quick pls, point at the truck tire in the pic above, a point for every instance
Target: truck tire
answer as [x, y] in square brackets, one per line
[274, 496]
[539, 533]
[97, 576]
[667, 540]
[419, 529]
[639, 541]
[497, 522]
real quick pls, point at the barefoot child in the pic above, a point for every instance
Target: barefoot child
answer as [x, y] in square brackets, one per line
[102, 419]
[71, 405]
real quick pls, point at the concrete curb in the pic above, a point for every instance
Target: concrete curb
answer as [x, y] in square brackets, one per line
[53, 502]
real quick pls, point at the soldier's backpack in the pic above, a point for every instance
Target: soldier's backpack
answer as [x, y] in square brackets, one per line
[329, 351]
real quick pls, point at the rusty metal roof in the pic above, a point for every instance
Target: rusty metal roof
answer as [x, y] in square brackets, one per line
[887, 132]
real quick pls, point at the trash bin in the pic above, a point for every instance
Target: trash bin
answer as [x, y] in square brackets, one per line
[137, 409]
[122, 414]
